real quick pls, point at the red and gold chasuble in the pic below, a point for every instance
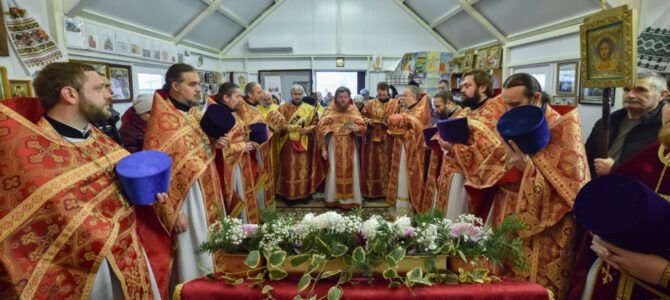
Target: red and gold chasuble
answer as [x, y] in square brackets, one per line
[301, 170]
[543, 198]
[468, 159]
[376, 155]
[61, 215]
[180, 136]
[344, 142]
[412, 142]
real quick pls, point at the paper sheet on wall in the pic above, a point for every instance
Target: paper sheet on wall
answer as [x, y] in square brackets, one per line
[273, 84]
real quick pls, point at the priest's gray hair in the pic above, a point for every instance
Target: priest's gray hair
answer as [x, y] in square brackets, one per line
[415, 91]
[296, 87]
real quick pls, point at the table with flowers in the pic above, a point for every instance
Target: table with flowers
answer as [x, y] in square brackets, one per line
[424, 256]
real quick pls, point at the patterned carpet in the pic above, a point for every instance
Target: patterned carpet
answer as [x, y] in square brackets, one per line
[317, 206]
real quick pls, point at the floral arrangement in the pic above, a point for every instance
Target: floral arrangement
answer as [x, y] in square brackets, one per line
[330, 244]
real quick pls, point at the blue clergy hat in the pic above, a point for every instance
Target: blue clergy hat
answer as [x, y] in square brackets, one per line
[526, 126]
[144, 174]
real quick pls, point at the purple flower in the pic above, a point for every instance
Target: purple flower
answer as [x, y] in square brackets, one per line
[467, 231]
[250, 229]
[410, 232]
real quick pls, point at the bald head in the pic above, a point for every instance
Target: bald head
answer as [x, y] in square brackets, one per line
[266, 98]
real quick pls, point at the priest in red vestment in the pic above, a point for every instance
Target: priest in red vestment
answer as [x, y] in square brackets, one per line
[68, 230]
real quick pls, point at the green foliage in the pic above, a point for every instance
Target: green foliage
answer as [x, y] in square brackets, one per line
[277, 258]
[278, 274]
[299, 259]
[504, 245]
[304, 282]
[335, 293]
[253, 259]
[359, 254]
[428, 217]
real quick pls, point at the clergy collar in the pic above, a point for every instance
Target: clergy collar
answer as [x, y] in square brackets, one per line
[385, 101]
[478, 105]
[251, 104]
[292, 102]
[413, 105]
[178, 105]
[69, 131]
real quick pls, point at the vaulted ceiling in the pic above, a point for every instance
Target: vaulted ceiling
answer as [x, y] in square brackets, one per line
[215, 25]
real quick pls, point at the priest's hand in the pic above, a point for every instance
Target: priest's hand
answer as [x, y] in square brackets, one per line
[603, 166]
[444, 144]
[221, 142]
[161, 197]
[304, 131]
[648, 267]
[250, 146]
[355, 129]
[181, 225]
[287, 128]
[324, 154]
[517, 158]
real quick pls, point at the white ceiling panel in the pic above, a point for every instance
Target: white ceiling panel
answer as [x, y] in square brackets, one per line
[431, 10]
[247, 10]
[158, 15]
[462, 31]
[516, 16]
[215, 31]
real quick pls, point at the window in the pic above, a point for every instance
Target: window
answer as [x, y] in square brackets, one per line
[148, 83]
[329, 81]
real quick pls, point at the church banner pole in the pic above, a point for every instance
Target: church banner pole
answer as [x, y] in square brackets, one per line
[605, 122]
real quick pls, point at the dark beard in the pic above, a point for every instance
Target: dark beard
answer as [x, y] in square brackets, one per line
[443, 115]
[471, 102]
[93, 113]
[342, 108]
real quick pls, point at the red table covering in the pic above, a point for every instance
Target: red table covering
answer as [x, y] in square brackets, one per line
[507, 288]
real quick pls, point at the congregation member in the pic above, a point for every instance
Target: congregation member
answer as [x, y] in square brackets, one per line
[194, 193]
[359, 101]
[340, 131]
[443, 85]
[376, 155]
[404, 190]
[65, 206]
[632, 128]
[300, 172]
[134, 123]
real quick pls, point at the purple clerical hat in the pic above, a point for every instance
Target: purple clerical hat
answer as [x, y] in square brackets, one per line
[454, 130]
[526, 126]
[217, 121]
[259, 132]
[428, 134]
[625, 212]
[144, 174]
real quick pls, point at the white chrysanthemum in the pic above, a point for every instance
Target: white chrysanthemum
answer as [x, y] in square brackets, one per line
[369, 228]
[426, 237]
[402, 225]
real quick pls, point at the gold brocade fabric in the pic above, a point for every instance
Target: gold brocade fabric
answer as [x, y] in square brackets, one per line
[378, 149]
[343, 141]
[413, 142]
[180, 136]
[265, 110]
[62, 215]
[478, 159]
[543, 199]
[300, 173]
